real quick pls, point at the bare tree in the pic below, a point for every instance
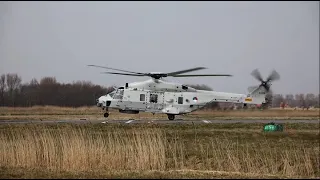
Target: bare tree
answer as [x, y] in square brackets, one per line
[48, 81]
[2, 88]
[290, 100]
[13, 83]
[34, 82]
[302, 101]
[277, 100]
[32, 93]
[311, 100]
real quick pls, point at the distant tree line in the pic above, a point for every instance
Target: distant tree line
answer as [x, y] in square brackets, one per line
[298, 100]
[48, 91]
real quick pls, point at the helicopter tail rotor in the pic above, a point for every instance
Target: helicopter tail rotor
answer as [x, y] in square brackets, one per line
[266, 83]
[262, 93]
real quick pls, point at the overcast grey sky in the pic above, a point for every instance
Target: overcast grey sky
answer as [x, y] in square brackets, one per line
[59, 39]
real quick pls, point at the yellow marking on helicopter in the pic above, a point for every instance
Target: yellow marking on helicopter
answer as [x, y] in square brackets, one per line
[248, 99]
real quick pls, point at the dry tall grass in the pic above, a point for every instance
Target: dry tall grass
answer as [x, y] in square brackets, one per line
[81, 148]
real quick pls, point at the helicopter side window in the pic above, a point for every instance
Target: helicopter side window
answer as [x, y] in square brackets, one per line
[180, 100]
[184, 87]
[153, 98]
[142, 97]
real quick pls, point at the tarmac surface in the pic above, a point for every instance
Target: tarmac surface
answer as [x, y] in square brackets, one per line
[177, 121]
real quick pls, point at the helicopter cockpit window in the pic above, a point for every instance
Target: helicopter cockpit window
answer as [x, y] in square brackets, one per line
[153, 98]
[118, 94]
[112, 93]
[142, 97]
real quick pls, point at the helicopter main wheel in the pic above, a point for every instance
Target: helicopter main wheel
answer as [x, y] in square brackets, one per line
[171, 117]
[106, 115]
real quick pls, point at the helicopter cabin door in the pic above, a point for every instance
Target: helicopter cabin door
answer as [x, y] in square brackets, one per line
[155, 101]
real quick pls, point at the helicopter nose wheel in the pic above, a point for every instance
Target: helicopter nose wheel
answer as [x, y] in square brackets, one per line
[171, 117]
[106, 115]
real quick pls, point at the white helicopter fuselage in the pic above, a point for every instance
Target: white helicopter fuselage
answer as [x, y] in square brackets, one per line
[158, 96]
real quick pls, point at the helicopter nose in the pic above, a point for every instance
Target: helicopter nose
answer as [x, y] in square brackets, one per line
[98, 103]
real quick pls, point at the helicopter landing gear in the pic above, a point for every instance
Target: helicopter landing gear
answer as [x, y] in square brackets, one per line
[171, 117]
[106, 114]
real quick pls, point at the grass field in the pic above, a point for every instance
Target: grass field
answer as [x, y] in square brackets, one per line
[95, 113]
[158, 151]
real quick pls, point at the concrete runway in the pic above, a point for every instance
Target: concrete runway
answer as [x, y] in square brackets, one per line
[177, 121]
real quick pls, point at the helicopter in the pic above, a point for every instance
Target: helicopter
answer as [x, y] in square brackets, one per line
[156, 95]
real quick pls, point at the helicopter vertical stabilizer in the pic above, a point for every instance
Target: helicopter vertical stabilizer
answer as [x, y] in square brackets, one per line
[257, 95]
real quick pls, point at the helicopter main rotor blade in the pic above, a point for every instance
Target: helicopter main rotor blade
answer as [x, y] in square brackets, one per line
[185, 71]
[116, 69]
[124, 74]
[195, 75]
